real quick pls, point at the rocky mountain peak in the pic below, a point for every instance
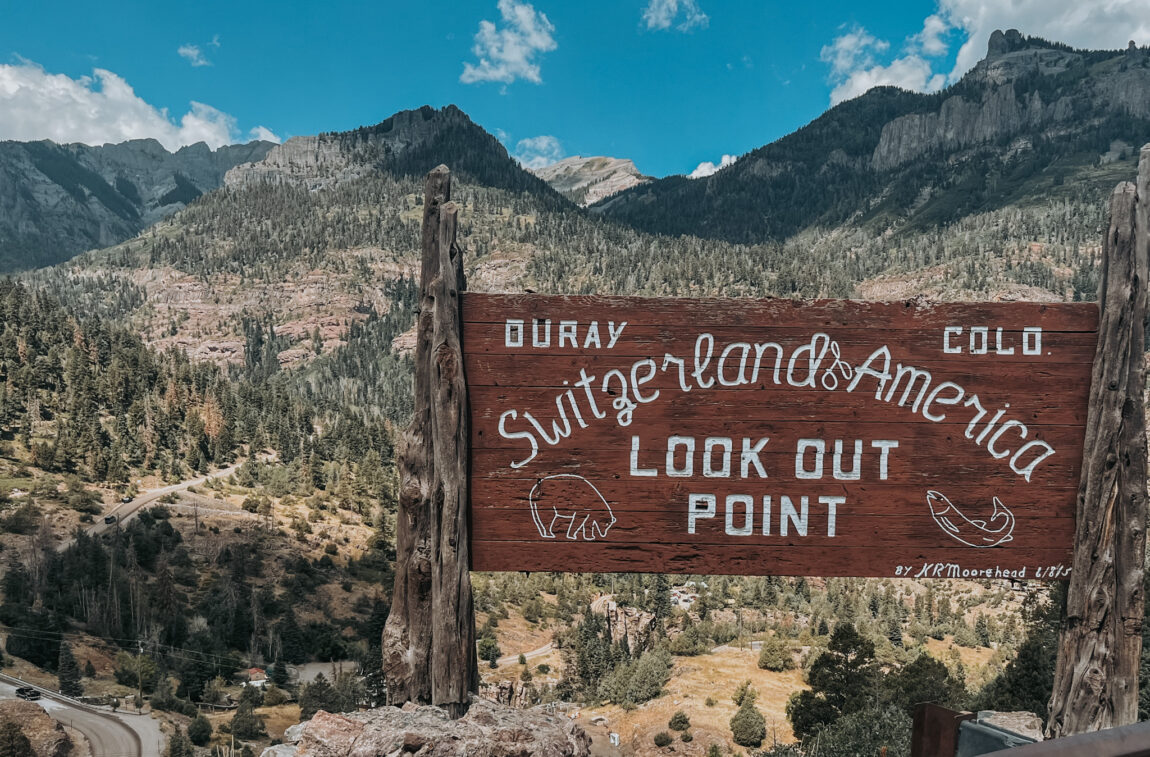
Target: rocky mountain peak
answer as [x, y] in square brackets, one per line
[586, 181]
[408, 143]
[1011, 56]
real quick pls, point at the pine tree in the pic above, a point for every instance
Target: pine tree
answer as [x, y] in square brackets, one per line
[317, 695]
[279, 673]
[68, 674]
[179, 746]
[246, 724]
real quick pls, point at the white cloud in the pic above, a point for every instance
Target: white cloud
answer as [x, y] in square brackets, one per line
[537, 152]
[853, 57]
[264, 133]
[193, 54]
[509, 53]
[35, 104]
[706, 168]
[930, 39]
[851, 51]
[660, 14]
[909, 72]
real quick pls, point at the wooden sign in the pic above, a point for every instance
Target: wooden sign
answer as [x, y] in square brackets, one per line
[756, 437]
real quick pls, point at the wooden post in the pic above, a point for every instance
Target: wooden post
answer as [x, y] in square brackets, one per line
[1096, 677]
[429, 639]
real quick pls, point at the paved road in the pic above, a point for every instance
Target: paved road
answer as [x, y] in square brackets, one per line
[125, 510]
[512, 659]
[111, 735]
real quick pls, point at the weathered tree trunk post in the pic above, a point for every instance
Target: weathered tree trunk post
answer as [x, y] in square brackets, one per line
[1096, 677]
[429, 638]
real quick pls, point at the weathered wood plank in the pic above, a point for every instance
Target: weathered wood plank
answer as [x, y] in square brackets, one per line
[645, 340]
[1043, 407]
[877, 532]
[778, 312]
[553, 370]
[880, 499]
[758, 561]
[1096, 677]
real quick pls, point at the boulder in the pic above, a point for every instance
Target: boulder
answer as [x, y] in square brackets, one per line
[487, 730]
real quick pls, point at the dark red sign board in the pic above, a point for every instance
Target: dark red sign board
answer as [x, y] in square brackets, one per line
[776, 437]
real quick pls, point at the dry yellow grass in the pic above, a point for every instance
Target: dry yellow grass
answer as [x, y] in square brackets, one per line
[279, 718]
[693, 680]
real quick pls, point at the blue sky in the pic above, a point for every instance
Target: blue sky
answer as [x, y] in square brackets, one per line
[671, 84]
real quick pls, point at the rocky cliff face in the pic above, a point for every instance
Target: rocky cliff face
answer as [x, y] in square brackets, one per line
[989, 107]
[961, 123]
[586, 181]
[59, 200]
[311, 162]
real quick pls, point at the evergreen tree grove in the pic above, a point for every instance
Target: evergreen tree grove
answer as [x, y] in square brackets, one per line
[68, 673]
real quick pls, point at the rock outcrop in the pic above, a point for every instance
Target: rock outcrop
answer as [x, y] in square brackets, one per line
[48, 737]
[586, 181]
[487, 730]
[627, 622]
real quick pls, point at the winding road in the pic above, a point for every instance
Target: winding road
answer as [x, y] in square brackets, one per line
[125, 510]
[111, 735]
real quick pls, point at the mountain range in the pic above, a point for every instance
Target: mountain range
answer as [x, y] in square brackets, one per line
[1033, 118]
[59, 200]
[992, 188]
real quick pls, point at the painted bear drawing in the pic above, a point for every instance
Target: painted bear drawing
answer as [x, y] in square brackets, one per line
[566, 496]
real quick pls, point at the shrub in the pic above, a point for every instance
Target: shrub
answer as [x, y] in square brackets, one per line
[274, 696]
[776, 655]
[744, 692]
[687, 738]
[748, 727]
[200, 731]
[662, 738]
[679, 721]
[710, 702]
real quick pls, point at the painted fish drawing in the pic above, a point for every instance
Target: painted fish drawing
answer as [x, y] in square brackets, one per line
[971, 531]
